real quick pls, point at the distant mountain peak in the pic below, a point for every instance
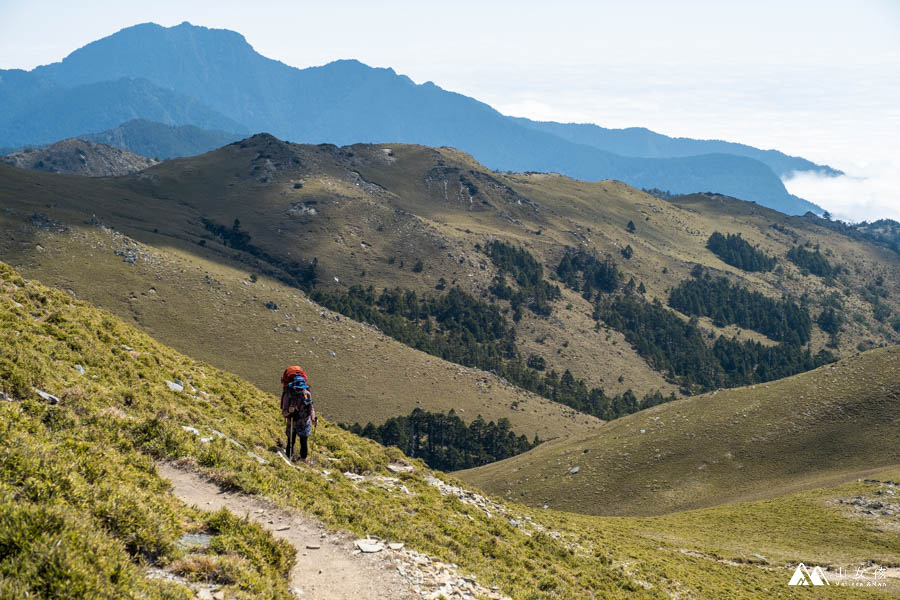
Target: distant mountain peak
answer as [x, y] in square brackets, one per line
[214, 79]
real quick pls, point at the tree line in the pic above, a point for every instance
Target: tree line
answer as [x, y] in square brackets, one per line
[460, 328]
[446, 442]
[737, 252]
[679, 348]
[733, 304]
[534, 291]
[587, 274]
[812, 262]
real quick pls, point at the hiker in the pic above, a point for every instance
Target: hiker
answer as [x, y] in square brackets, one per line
[298, 411]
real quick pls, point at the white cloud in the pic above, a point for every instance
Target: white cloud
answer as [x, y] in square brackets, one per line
[865, 193]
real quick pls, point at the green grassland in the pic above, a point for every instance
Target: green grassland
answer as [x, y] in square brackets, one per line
[84, 513]
[825, 426]
[368, 213]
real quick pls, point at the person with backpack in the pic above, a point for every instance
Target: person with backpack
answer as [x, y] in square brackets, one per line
[298, 411]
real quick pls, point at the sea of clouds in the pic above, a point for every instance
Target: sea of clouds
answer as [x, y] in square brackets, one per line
[863, 193]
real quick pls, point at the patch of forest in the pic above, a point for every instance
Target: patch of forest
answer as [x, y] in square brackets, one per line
[812, 262]
[446, 442]
[679, 348]
[533, 292]
[732, 304]
[737, 252]
[462, 329]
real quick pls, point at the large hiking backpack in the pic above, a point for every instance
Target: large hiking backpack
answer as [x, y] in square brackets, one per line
[290, 373]
[296, 401]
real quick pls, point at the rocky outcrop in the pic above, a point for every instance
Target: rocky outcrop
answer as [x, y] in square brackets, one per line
[79, 157]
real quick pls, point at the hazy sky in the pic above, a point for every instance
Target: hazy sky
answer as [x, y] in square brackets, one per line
[820, 79]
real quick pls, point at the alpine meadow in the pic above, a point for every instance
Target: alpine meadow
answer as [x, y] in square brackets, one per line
[522, 358]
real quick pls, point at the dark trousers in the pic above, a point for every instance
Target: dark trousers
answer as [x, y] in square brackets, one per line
[292, 431]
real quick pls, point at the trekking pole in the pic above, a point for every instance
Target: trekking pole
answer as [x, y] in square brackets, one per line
[290, 446]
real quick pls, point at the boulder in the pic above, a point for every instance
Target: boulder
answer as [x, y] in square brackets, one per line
[368, 545]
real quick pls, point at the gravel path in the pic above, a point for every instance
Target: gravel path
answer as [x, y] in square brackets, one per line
[329, 565]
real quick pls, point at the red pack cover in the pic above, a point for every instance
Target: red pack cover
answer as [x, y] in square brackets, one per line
[292, 372]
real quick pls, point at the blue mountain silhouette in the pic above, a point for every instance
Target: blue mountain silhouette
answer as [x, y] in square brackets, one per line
[190, 75]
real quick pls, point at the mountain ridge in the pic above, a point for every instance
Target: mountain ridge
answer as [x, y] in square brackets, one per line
[368, 214]
[348, 102]
[149, 138]
[80, 157]
[643, 142]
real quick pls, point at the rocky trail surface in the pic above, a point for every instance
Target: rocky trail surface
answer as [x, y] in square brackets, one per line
[332, 565]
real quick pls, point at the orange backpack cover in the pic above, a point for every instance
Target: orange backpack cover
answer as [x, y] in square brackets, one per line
[292, 372]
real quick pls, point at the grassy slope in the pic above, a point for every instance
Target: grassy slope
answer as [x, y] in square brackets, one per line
[816, 428]
[211, 310]
[87, 463]
[411, 204]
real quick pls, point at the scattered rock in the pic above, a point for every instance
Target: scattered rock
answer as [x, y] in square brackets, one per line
[45, 396]
[370, 546]
[259, 459]
[192, 540]
[175, 387]
[271, 305]
[396, 545]
[574, 470]
[313, 546]
[399, 468]
[80, 369]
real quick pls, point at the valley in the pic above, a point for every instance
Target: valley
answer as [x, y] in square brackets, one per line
[85, 464]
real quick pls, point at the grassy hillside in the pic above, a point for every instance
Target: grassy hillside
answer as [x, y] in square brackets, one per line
[369, 214]
[833, 424]
[214, 311]
[85, 465]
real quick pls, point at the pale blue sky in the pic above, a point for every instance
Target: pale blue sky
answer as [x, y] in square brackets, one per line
[819, 79]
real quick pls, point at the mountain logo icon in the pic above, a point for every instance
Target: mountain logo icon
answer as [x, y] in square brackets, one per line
[804, 576]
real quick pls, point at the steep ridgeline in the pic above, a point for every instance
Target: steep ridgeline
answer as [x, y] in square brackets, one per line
[543, 288]
[213, 79]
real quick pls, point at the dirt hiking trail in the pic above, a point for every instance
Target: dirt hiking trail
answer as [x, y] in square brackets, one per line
[328, 567]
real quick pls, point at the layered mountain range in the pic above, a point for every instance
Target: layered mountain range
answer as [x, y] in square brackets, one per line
[213, 79]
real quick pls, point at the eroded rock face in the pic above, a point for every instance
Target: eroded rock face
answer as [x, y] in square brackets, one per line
[79, 157]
